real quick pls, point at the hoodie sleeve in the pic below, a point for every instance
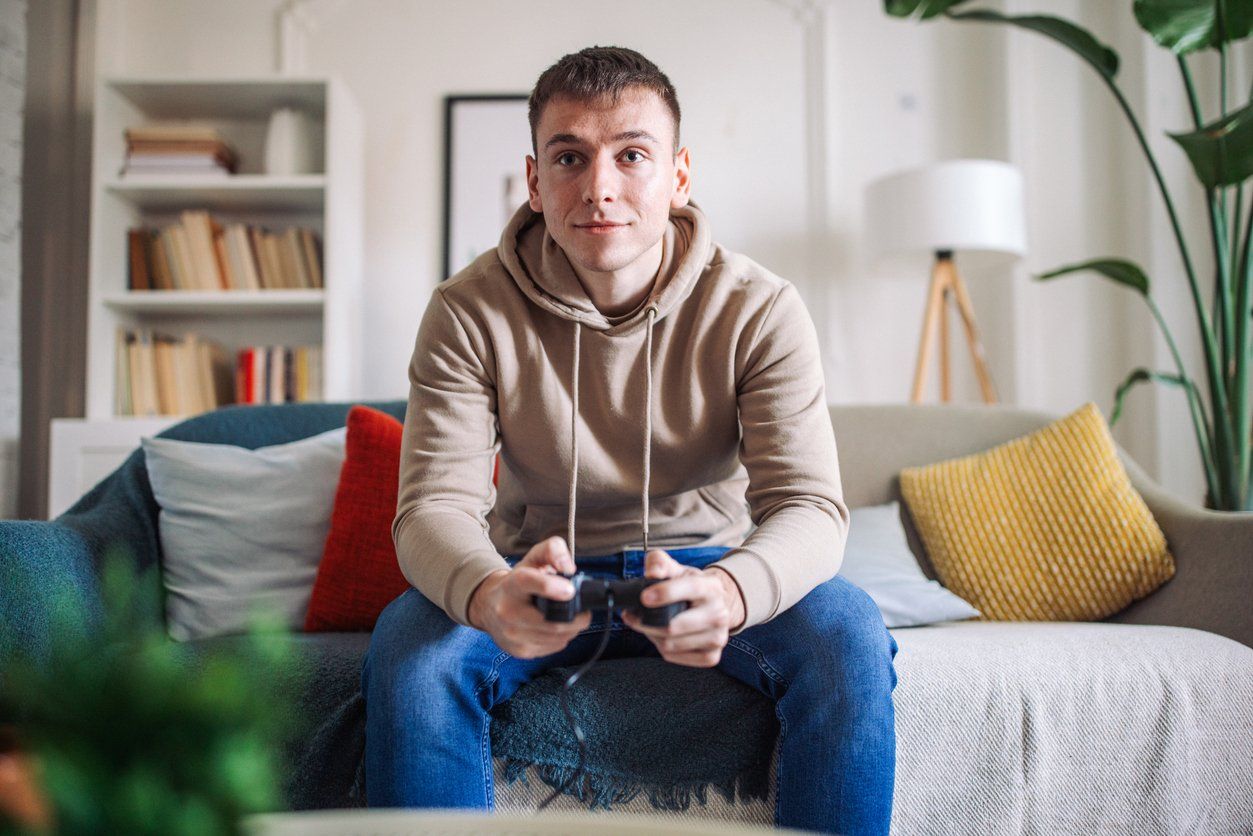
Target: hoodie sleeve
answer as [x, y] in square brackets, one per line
[448, 450]
[788, 449]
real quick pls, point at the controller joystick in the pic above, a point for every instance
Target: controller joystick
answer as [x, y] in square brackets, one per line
[594, 594]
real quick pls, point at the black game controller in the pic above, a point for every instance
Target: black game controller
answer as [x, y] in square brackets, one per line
[593, 594]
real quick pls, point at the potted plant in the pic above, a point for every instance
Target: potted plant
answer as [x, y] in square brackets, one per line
[1220, 149]
[108, 726]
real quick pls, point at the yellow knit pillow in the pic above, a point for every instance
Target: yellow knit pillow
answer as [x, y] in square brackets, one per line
[1046, 527]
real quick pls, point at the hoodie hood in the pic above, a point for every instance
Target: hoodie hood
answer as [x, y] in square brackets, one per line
[541, 270]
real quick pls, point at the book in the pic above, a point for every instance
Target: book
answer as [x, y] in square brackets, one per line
[295, 255]
[289, 374]
[198, 252]
[249, 257]
[243, 375]
[277, 375]
[313, 256]
[122, 391]
[139, 278]
[170, 146]
[176, 131]
[179, 254]
[315, 373]
[258, 376]
[168, 402]
[199, 234]
[229, 281]
[264, 270]
[269, 244]
[163, 374]
[162, 274]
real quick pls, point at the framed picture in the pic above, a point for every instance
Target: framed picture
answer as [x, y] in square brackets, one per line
[486, 140]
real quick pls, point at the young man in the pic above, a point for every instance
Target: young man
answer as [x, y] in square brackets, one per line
[642, 381]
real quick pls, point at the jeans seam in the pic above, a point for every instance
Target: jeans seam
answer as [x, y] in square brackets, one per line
[765, 667]
[762, 663]
[485, 736]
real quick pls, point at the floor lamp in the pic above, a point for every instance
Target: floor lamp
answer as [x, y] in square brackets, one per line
[971, 207]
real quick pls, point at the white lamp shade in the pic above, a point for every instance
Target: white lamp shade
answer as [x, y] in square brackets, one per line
[967, 206]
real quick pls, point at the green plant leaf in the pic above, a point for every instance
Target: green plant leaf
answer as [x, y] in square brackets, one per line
[924, 8]
[1120, 270]
[1188, 25]
[1221, 152]
[1103, 59]
[1143, 375]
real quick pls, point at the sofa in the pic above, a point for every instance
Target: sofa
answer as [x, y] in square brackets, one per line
[1142, 723]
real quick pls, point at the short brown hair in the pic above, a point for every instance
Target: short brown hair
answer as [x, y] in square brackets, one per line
[598, 72]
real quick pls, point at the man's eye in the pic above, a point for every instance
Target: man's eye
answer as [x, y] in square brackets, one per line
[566, 159]
[639, 157]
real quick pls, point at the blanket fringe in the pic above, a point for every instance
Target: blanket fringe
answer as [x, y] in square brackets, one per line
[601, 791]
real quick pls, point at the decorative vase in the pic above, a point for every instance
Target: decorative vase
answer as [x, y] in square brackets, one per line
[289, 142]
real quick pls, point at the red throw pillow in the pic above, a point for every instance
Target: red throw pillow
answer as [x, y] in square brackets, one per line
[359, 574]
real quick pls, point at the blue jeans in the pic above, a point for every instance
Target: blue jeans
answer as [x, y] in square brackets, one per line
[827, 663]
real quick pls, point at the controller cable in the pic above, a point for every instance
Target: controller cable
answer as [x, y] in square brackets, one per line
[565, 705]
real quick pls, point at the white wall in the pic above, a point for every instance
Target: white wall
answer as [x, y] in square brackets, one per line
[12, 102]
[790, 108]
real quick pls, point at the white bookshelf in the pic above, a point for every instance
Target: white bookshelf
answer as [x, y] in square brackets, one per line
[327, 199]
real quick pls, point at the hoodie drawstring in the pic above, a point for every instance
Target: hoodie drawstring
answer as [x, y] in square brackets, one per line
[648, 412]
[574, 440]
[648, 426]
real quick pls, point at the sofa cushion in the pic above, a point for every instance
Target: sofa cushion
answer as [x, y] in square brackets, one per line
[877, 559]
[241, 530]
[1043, 527]
[1072, 728]
[359, 574]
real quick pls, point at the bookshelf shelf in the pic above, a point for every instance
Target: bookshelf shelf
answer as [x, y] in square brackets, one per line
[217, 303]
[165, 97]
[237, 193]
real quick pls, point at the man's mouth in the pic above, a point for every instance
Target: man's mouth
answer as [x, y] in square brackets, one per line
[600, 227]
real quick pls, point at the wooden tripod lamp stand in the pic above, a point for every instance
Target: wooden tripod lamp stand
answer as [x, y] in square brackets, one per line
[974, 207]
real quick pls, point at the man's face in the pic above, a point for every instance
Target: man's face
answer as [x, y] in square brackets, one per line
[607, 176]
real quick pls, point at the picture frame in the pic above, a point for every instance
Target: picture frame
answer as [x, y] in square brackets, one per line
[486, 140]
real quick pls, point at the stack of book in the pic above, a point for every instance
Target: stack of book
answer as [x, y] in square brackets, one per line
[278, 374]
[177, 149]
[158, 374]
[199, 253]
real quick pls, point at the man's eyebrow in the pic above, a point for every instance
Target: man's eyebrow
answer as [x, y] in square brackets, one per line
[571, 139]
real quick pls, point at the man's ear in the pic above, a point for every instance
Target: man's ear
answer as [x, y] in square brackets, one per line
[682, 179]
[532, 183]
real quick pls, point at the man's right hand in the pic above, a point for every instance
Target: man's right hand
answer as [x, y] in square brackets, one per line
[501, 606]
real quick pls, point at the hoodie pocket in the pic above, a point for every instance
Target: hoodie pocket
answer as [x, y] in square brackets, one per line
[539, 522]
[718, 499]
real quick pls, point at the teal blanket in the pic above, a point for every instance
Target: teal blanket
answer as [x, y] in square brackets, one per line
[668, 731]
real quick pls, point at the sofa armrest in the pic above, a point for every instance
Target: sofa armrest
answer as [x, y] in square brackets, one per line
[1213, 580]
[39, 562]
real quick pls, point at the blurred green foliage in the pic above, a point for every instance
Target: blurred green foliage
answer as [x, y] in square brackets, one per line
[132, 732]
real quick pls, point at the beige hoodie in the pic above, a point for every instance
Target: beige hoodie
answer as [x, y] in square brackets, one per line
[648, 430]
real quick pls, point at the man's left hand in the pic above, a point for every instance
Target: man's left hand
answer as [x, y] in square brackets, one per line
[696, 636]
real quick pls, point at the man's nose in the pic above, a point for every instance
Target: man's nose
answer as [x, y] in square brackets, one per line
[600, 182]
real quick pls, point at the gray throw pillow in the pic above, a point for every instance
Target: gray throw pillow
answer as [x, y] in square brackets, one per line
[242, 531]
[877, 559]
